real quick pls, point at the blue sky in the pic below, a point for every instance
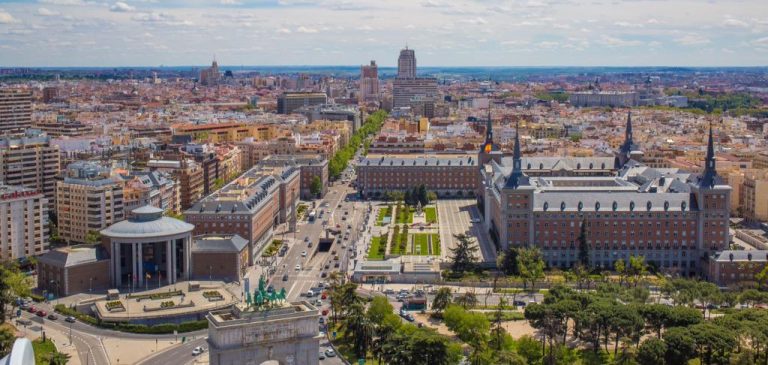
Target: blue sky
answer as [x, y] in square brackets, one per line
[351, 32]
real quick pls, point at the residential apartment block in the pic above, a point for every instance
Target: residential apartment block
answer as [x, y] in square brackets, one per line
[15, 111]
[30, 161]
[250, 206]
[24, 217]
[89, 199]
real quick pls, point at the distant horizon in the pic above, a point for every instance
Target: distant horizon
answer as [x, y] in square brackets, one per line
[394, 67]
[549, 33]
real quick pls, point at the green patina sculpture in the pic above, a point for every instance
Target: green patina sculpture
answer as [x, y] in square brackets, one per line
[262, 299]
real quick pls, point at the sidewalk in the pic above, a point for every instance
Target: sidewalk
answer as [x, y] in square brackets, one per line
[61, 340]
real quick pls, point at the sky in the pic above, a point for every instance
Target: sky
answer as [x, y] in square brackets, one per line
[49, 33]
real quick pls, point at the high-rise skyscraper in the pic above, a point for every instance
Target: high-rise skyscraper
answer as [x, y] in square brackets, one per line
[210, 76]
[406, 64]
[409, 91]
[30, 161]
[369, 82]
[15, 111]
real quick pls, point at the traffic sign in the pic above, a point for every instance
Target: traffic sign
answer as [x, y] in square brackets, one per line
[333, 335]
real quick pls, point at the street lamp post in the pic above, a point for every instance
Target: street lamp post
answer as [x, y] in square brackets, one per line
[210, 272]
[90, 284]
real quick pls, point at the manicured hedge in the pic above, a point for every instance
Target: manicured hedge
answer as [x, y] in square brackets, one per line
[163, 328]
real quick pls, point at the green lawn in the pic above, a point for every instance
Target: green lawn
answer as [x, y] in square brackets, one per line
[405, 214]
[435, 244]
[42, 349]
[378, 247]
[396, 238]
[383, 212]
[431, 213]
[421, 244]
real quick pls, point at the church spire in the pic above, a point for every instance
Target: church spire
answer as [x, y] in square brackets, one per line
[517, 177]
[626, 148]
[709, 178]
[489, 128]
[516, 154]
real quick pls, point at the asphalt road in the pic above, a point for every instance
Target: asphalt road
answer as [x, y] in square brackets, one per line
[89, 347]
[177, 354]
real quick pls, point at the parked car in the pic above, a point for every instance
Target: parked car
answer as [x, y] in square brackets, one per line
[324, 312]
[53, 316]
[322, 356]
[31, 309]
[329, 352]
[198, 350]
[303, 253]
[321, 320]
[285, 277]
[41, 313]
[70, 319]
[298, 267]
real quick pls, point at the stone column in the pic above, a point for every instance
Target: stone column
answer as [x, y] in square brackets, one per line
[175, 264]
[187, 258]
[168, 264]
[134, 268]
[116, 262]
[140, 264]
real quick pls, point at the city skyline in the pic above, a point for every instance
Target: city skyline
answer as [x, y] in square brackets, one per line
[69, 33]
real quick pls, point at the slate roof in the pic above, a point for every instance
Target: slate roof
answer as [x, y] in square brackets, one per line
[219, 243]
[74, 255]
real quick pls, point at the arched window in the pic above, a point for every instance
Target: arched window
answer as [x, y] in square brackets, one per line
[602, 166]
[631, 206]
[578, 166]
[590, 166]
[648, 205]
[529, 166]
[541, 166]
[597, 206]
[683, 205]
[562, 206]
[581, 206]
[546, 206]
[615, 206]
[666, 205]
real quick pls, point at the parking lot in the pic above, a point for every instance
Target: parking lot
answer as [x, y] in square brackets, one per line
[462, 216]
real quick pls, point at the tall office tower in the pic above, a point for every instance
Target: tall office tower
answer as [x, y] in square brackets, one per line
[369, 82]
[30, 161]
[24, 218]
[15, 111]
[210, 76]
[88, 200]
[408, 90]
[406, 64]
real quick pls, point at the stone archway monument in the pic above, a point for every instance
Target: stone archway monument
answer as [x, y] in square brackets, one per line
[264, 332]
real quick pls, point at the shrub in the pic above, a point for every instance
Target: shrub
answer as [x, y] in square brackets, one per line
[167, 304]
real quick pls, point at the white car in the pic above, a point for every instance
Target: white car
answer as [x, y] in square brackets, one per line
[329, 352]
[298, 267]
[303, 253]
[198, 350]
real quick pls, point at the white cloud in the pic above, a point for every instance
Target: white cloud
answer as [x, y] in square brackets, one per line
[627, 25]
[230, 2]
[303, 29]
[432, 4]
[7, 18]
[692, 40]
[121, 7]
[515, 42]
[735, 23]
[476, 20]
[46, 12]
[618, 42]
[63, 2]
[761, 42]
[284, 31]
